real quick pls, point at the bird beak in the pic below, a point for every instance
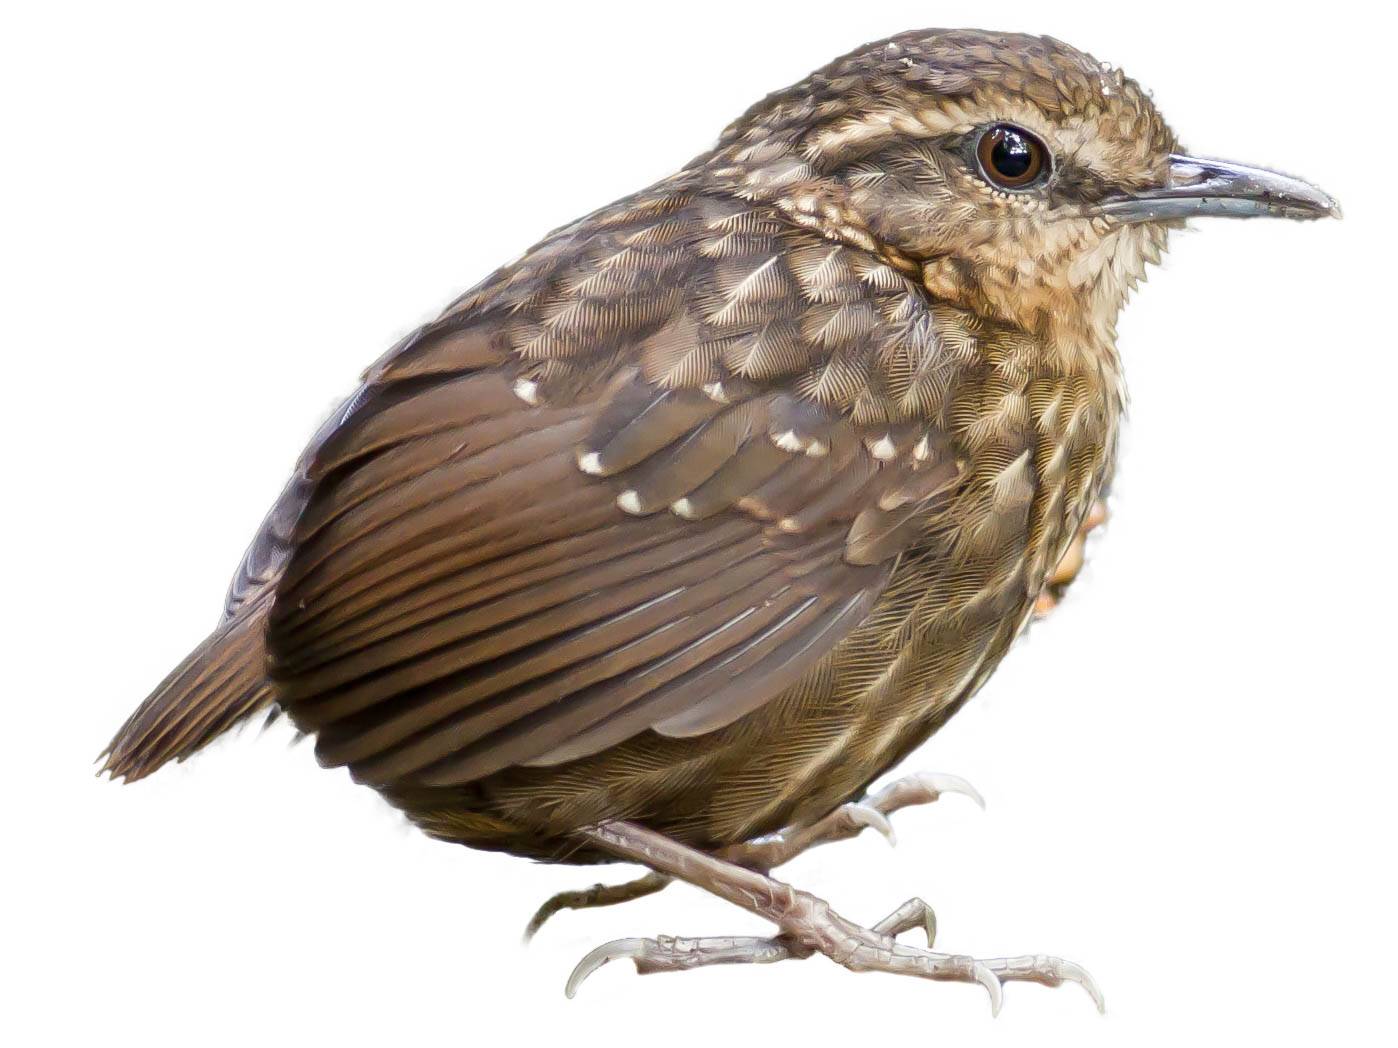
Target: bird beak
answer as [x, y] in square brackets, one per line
[1215, 187]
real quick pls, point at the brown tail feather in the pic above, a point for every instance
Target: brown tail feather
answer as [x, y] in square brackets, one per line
[220, 683]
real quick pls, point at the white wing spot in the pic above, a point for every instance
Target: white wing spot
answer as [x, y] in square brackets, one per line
[630, 502]
[683, 508]
[590, 462]
[883, 448]
[788, 441]
[715, 391]
[528, 391]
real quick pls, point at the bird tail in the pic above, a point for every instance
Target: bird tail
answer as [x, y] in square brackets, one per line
[222, 682]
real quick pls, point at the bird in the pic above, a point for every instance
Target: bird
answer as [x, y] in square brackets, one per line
[668, 539]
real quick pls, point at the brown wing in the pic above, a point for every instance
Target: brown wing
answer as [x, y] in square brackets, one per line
[470, 598]
[484, 563]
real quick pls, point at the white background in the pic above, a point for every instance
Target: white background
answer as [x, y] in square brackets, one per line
[214, 217]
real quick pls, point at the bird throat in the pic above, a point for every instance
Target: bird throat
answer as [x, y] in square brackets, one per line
[1068, 300]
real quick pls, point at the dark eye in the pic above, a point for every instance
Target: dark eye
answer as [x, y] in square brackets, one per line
[1011, 157]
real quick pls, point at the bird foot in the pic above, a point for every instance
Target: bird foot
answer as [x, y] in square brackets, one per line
[850, 820]
[771, 851]
[814, 928]
[806, 926]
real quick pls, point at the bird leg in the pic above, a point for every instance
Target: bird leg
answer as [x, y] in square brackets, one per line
[1070, 564]
[767, 853]
[806, 925]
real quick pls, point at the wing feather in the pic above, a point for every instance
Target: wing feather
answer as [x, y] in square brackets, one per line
[496, 606]
[500, 553]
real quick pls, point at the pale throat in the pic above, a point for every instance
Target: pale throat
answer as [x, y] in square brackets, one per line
[1067, 293]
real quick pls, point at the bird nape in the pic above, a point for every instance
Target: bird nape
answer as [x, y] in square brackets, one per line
[667, 539]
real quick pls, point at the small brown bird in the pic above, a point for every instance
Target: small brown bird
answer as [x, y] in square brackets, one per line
[667, 539]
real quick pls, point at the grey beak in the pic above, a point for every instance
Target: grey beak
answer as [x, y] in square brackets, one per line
[1216, 187]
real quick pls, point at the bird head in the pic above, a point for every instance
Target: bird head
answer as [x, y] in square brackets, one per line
[1012, 175]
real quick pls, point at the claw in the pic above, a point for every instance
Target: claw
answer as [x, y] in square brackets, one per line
[597, 895]
[939, 783]
[910, 915]
[865, 815]
[615, 950]
[991, 982]
[1071, 972]
[1050, 971]
[1090, 985]
[551, 905]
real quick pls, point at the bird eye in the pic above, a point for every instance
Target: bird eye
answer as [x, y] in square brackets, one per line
[1011, 157]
